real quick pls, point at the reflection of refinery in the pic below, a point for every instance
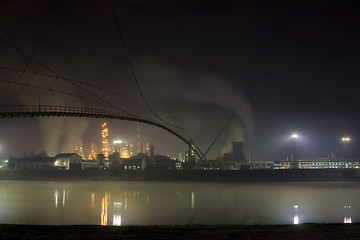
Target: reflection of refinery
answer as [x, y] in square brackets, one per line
[104, 210]
[129, 204]
[127, 207]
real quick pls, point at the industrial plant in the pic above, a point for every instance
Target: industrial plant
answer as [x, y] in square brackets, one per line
[121, 155]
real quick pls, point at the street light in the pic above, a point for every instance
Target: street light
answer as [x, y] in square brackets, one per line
[346, 141]
[294, 136]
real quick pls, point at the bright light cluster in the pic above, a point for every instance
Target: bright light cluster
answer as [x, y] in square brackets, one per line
[105, 134]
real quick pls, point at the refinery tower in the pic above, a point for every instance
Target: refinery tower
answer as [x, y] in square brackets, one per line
[105, 142]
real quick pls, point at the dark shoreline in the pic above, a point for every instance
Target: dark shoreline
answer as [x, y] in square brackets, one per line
[301, 231]
[291, 175]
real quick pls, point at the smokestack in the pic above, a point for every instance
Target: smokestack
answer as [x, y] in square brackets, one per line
[152, 153]
[152, 150]
[138, 149]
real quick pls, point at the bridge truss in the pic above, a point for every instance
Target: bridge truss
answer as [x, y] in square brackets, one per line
[30, 111]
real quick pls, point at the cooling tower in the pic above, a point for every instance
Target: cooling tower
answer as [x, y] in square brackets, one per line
[238, 155]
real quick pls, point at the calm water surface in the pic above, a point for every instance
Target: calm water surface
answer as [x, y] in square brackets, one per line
[149, 203]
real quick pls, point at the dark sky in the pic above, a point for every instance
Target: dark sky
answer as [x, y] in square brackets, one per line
[279, 66]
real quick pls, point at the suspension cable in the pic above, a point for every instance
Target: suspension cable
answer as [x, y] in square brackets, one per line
[58, 74]
[78, 82]
[132, 69]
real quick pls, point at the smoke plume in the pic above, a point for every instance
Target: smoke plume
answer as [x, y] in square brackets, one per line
[192, 94]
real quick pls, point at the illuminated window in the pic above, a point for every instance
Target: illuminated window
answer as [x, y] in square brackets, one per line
[125, 167]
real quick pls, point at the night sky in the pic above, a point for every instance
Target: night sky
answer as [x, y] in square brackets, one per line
[278, 66]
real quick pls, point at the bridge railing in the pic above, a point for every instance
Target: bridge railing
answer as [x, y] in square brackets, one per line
[10, 111]
[54, 109]
[70, 110]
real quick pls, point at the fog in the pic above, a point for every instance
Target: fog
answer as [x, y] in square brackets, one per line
[149, 203]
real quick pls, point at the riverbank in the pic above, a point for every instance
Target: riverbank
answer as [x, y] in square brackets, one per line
[186, 175]
[301, 231]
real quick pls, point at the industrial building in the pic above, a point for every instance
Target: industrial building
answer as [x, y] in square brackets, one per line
[89, 164]
[135, 164]
[317, 163]
[65, 161]
[68, 161]
[32, 163]
[142, 162]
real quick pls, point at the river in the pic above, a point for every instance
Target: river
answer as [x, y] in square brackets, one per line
[177, 203]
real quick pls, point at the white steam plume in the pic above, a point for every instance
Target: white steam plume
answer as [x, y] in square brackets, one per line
[199, 90]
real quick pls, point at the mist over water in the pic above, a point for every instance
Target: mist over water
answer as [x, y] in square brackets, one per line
[150, 203]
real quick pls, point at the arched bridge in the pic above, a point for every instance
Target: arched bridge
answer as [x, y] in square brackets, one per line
[25, 111]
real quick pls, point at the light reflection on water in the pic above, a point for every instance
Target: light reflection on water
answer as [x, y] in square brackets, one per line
[150, 203]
